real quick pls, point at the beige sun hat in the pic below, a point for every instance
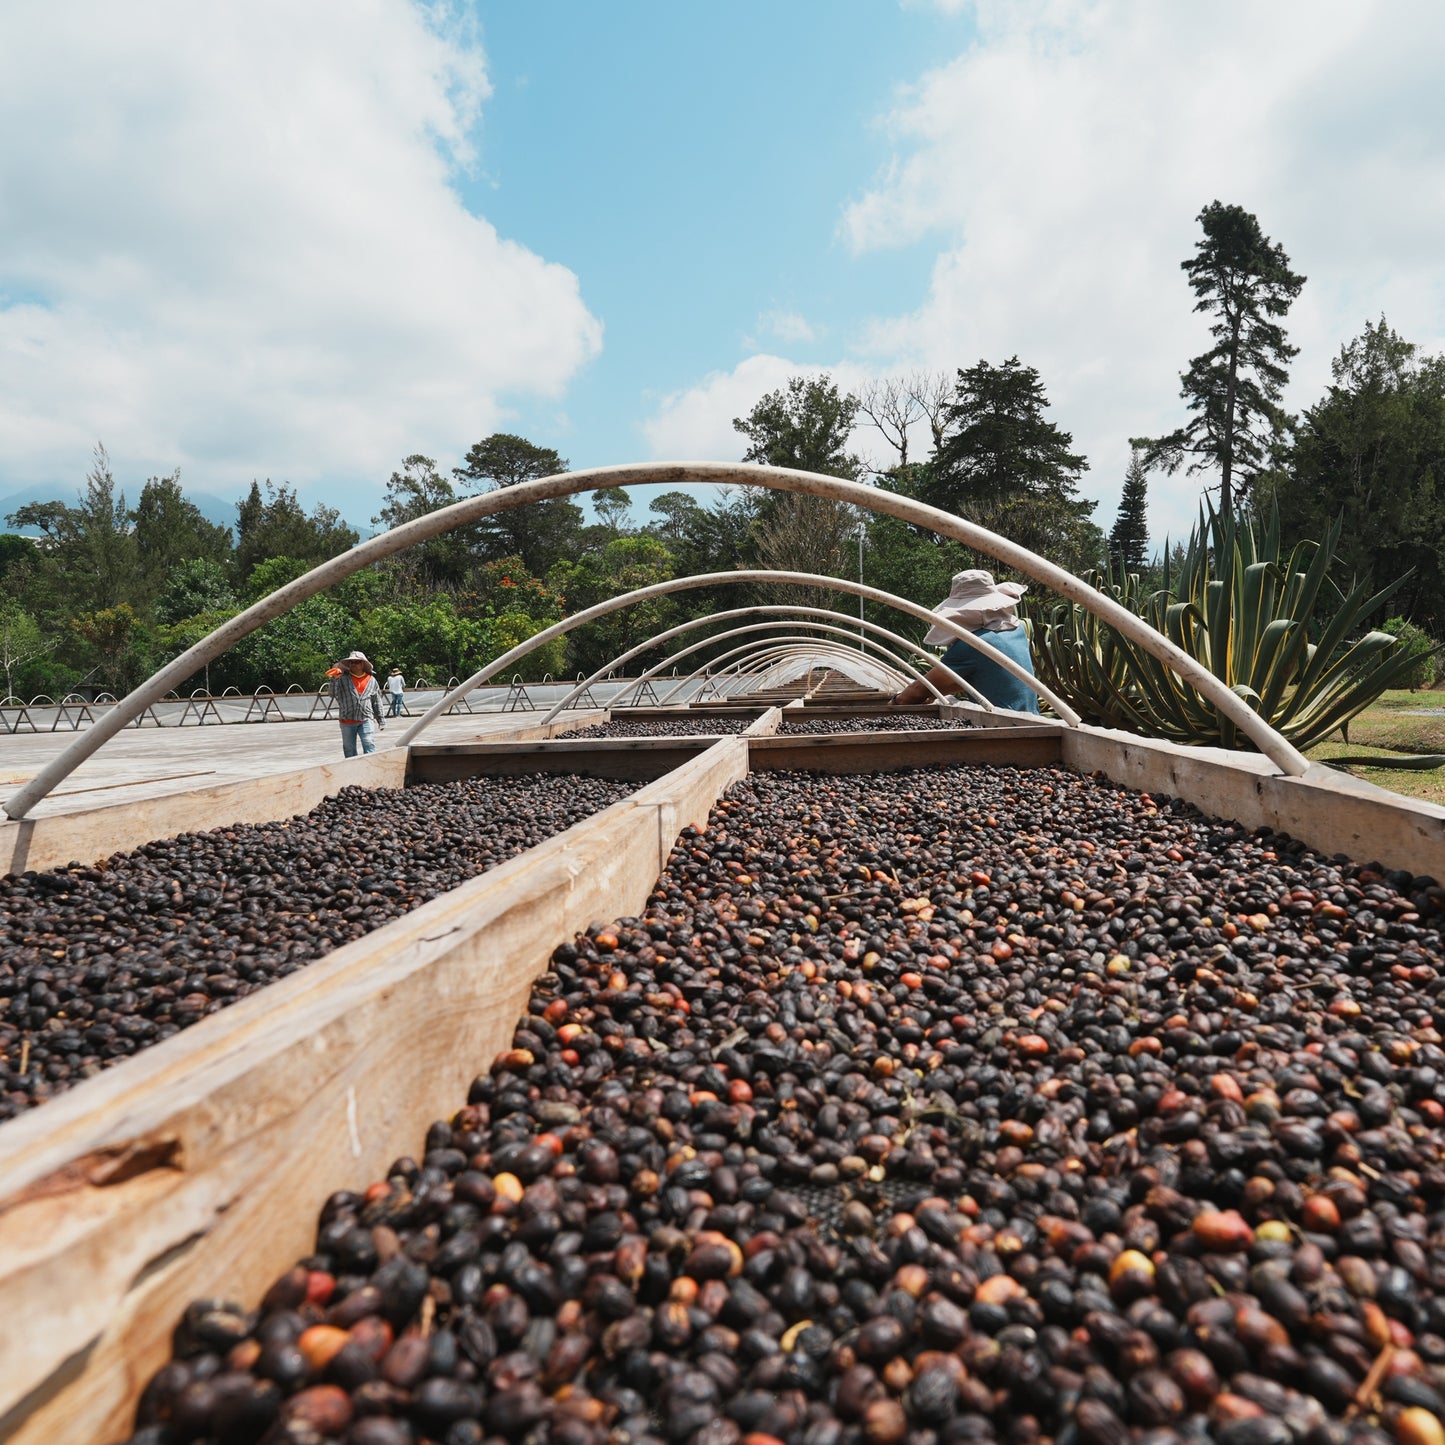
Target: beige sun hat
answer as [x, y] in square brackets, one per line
[356, 657]
[980, 604]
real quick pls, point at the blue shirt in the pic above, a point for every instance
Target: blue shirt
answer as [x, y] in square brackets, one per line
[1001, 688]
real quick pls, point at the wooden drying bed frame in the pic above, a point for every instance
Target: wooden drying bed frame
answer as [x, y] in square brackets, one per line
[196, 1168]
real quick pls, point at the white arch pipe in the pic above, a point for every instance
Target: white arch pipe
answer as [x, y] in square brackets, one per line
[884, 658]
[1279, 750]
[766, 608]
[758, 671]
[753, 665]
[778, 671]
[778, 665]
[891, 657]
[898, 664]
[762, 609]
[712, 579]
[847, 632]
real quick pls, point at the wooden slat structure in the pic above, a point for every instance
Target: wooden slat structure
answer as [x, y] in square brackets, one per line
[196, 1167]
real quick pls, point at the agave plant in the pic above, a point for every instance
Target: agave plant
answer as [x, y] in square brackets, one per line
[1246, 613]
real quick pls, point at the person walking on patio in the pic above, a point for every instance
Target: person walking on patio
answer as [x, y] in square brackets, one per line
[395, 691]
[358, 703]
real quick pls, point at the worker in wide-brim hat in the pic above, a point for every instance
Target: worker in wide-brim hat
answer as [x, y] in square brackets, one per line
[395, 691]
[989, 610]
[358, 703]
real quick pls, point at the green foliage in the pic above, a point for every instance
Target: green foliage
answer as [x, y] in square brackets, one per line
[1004, 465]
[14, 549]
[1373, 450]
[231, 669]
[614, 508]
[506, 587]
[89, 558]
[716, 538]
[22, 644]
[1129, 540]
[169, 531]
[122, 642]
[298, 646]
[1244, 609]
[417, 489]
[424, 639]
[513, 628]
[1244, 282]
[1416, 643]
[276, 525]
[542, 534]
[275, 572]
[195, 586]
[805, 426]
[621, 566]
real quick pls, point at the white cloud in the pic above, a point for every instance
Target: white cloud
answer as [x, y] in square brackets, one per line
[696, 422]
[1061, 160]
[786, 326]
[230, 240]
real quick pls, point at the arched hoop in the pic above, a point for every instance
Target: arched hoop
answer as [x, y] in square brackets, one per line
[897, 665]
[763, 609]
[777, 665]
[757, 658]
[1281, 752]
[713, 579]
[884, 653]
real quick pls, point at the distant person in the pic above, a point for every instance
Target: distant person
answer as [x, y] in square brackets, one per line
[358, 703]
[989, 610]
[395, 691]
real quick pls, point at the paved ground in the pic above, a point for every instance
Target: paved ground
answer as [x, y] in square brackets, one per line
[154, 761]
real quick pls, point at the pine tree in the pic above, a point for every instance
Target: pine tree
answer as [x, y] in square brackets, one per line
[1129, 541]
[1234, 388]
[1004, 465]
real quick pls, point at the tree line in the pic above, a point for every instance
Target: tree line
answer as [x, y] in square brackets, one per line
[105, 590]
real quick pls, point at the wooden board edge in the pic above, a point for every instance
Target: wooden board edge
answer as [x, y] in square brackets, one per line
[89, 835]
[207, 1207]
[766, 724]
[1327, 813]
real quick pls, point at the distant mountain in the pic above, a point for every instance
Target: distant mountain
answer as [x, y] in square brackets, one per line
[213, 508]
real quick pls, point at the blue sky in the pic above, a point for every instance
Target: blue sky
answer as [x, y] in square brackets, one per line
[304, 242]
[691, 164]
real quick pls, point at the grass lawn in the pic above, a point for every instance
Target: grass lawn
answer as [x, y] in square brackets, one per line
[1389, 726]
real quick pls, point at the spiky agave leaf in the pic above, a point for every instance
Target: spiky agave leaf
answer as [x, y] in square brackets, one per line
[1243, 611]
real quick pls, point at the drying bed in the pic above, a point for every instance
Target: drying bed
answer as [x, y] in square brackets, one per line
[680, 726]
[880, 723]
[100, 962]
[955, 1104]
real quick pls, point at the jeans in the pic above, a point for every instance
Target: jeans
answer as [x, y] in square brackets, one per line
[351, 733]
[396, 704]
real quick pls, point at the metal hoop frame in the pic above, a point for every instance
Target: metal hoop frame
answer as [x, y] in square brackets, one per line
[888, 661]
[1282, 753]
[757, 667]
[711, 579]
[763, 609]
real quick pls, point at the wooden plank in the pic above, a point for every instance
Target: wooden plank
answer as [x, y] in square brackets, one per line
[827, 710]
[196, 1168]
[1326, 809]
[684, 710]
[88, 834]
[628, 759]
[888, 752]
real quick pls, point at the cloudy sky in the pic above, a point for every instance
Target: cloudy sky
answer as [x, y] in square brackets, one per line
[264, 239]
